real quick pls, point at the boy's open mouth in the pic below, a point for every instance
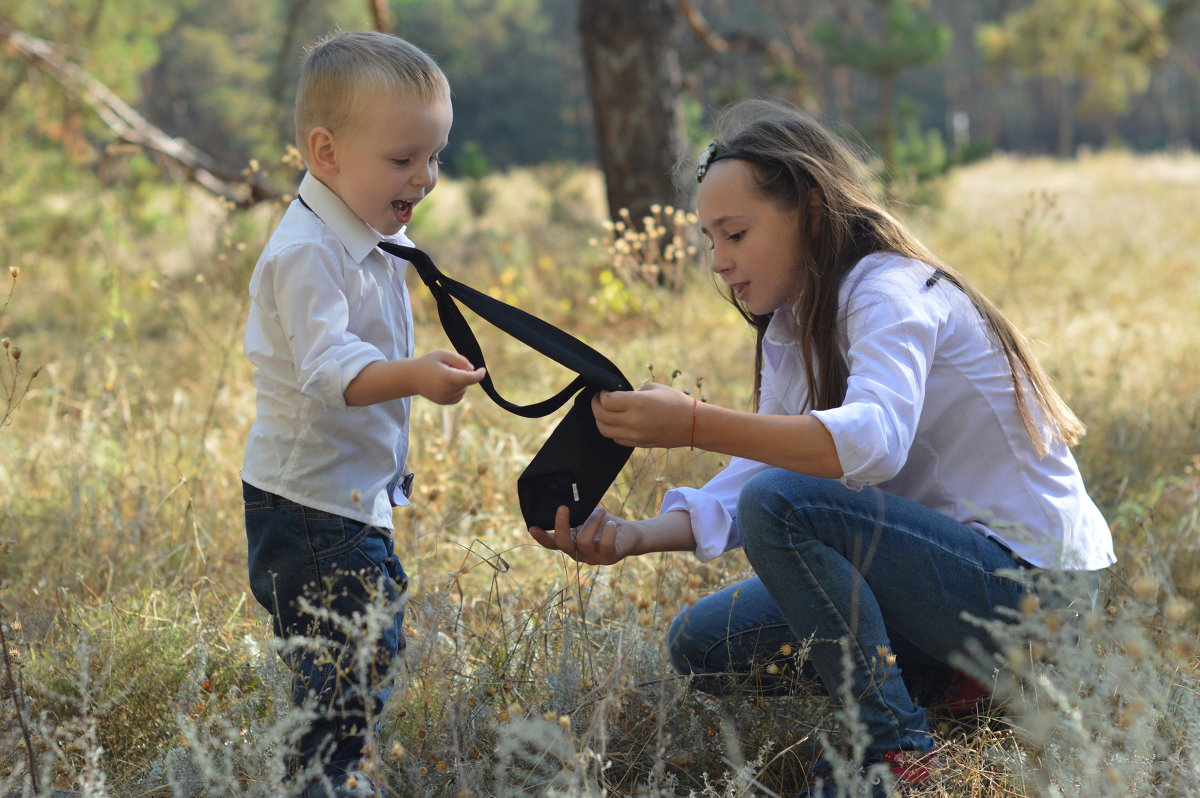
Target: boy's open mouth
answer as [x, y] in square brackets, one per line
[403, 209]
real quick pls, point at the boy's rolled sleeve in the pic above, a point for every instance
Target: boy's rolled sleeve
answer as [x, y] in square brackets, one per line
[330, 375]
[314, 313]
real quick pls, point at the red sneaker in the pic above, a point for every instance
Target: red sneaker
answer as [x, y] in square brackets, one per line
[963, 697]
[907, 767]
[910, 767]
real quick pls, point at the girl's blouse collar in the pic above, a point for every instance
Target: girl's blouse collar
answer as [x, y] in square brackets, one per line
[781, 327]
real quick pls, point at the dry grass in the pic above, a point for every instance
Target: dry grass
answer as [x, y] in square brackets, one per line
[144, 666]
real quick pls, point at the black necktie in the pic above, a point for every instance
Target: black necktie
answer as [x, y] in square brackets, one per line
[576, 465]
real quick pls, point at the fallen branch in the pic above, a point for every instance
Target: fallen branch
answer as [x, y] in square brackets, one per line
[700, 28]
[241, 188]
[774, 51]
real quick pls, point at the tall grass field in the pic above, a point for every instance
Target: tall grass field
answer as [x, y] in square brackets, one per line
[137, 664]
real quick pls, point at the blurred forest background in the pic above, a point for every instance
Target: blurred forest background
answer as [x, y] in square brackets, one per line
[1044, 147]
[928, 83]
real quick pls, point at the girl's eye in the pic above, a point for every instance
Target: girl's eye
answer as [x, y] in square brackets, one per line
[400, 161]
[736, 236]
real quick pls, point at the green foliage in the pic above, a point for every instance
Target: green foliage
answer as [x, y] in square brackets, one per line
[920, 155]
[905, 36]
[1109, 47]
[473, 166]
[211, 83]
[116, 42]
[890, 37]
[134, 671]
[472, 163]
[923, 156]
[515, 71]
[221, 74]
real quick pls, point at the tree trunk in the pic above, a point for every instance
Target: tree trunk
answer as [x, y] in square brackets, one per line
[282, 74]
[379, 15]
[1066, 118]
[634, 80]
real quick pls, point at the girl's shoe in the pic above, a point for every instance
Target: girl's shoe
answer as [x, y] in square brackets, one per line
[963, 697]
[907, 767]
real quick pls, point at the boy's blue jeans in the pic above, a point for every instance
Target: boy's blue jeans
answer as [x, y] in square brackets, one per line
[344, 566]
[832, 563]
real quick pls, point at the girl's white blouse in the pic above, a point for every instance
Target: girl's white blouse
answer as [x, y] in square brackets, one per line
[930, 414]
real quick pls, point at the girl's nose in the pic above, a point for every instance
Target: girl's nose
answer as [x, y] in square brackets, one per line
[719, 263]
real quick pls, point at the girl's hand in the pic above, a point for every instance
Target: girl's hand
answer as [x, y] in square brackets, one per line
[654, 416]
[602, 539]
[444, 376]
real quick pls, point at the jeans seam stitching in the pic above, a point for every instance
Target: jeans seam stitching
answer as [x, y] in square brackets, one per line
[907, 529]
[342, 547]
[790, 526]
[725, 640]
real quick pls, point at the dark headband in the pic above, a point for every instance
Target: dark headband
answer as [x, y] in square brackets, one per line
[711, 156]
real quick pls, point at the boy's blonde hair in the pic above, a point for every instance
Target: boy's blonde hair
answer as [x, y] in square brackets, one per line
[343, 72]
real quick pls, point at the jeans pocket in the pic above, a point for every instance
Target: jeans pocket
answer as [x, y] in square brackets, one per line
[395, 569]
[369, 554]
[330, 535]
[254, 498]
[346, 548]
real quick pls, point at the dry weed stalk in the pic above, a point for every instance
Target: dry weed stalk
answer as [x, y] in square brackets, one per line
[14, 686]
[656, 253]
[514, 650]
[11, 383]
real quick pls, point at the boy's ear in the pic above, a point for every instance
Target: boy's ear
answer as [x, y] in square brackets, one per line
[323, 151]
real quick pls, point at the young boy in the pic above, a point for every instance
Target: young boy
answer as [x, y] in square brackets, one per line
[330, 335]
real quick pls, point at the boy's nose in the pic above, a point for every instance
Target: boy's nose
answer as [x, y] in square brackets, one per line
[426, 176]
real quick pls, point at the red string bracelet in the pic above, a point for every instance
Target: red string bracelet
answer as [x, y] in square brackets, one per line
[695, 410]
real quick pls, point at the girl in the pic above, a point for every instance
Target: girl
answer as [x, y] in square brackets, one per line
[907, 449]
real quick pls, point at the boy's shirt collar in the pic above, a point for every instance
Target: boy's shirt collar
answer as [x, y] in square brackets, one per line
[358, 237]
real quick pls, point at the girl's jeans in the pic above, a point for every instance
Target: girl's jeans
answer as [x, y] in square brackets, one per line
[343, 667]
[832, 564]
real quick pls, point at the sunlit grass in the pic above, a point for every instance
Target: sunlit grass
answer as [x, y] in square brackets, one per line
[125, 592]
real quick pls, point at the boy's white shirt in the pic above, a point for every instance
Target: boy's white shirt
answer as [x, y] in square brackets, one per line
[929, 415]
[326, 302]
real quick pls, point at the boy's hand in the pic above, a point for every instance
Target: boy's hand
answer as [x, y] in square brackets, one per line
[444, 376]
[602, 539]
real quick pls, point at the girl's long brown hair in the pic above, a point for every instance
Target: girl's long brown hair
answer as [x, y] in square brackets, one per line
[792, 153]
